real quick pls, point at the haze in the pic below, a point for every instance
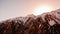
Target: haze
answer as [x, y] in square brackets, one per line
[17, 8]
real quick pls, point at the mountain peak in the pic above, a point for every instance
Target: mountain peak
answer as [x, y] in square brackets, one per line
[46, 23]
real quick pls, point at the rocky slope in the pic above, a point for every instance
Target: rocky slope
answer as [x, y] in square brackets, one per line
[47, 23]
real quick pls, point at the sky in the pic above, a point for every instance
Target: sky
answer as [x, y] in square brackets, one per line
[16, 8]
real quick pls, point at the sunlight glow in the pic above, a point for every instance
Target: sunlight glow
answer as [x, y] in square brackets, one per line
[42, 9]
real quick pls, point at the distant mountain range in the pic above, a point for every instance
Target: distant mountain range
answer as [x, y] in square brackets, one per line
[46, 23]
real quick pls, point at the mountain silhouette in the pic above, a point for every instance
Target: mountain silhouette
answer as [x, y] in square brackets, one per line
[46, 23]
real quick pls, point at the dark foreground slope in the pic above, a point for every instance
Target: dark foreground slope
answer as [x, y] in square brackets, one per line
[48, 23]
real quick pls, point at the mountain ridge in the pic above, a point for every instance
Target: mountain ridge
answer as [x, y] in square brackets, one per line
[47, 23]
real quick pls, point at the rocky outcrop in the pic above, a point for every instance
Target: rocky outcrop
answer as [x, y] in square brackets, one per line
[47, 23]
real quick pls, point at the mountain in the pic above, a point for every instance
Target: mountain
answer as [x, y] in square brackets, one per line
[46, 23]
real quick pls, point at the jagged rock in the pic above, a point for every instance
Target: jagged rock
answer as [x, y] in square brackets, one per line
[47, 23]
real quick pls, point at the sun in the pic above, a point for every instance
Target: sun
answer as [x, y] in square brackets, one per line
[42, 9]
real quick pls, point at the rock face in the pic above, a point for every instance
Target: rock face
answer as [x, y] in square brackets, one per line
[47, 23]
